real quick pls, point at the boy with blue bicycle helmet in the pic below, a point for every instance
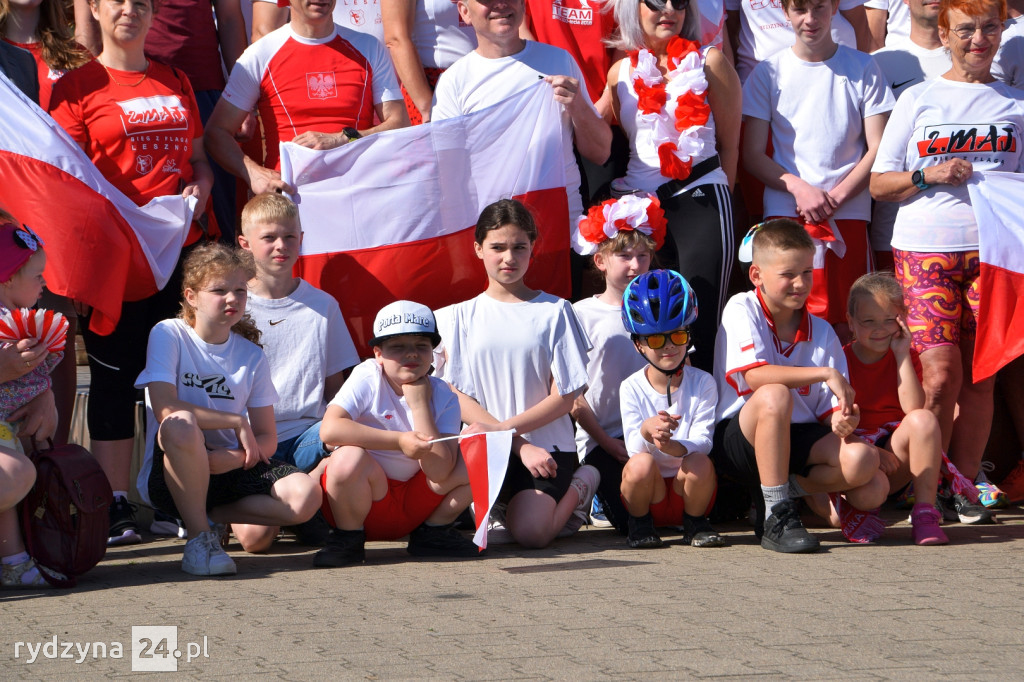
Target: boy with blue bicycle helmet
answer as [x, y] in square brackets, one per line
[668, 417]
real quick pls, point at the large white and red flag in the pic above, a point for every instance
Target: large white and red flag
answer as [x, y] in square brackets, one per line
[486, 456]
[391, 216]
[101, 248]
[998, 201]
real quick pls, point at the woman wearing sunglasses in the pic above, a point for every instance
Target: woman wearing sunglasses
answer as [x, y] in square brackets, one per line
[679, 104]
[939, 133]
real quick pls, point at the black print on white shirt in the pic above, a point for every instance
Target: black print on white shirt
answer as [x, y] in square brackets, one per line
[215, 385]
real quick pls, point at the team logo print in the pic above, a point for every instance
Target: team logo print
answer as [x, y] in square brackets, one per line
[158, 113]
[986, 138]
[761, 4]
[171, 166]
[584, 16]
[321, 85]
[215, 385]
[357, 17]
[143, 164]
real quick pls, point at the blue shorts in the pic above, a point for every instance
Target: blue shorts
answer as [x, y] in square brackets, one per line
[304, 451]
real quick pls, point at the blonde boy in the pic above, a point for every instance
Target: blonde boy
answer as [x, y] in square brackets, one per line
[785, 405]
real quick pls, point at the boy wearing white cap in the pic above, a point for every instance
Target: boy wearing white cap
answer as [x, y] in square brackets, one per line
[387, 479]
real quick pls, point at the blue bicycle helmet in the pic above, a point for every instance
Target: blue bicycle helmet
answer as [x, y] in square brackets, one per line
[658, 302]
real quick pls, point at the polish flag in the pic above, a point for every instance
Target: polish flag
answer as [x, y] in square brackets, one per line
[101, 249]
[998, 201]
[391, 216]
[486, 456]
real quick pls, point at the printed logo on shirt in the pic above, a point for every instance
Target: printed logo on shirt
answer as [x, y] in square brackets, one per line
[762, 4]
[55, 74]
[321, 85]
[979, 140]
[143, 164]
[583, 16]
[357, 17]
[157, 113]
[804, 390]
[171, 166]
[215, 385]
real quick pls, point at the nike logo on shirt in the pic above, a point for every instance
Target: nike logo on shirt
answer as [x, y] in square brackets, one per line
[272, 323]
[897, 86]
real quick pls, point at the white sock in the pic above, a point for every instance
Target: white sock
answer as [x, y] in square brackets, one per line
[772, 496]
[28, 577]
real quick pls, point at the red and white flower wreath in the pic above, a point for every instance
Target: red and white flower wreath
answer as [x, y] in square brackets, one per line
[640, 212]
[673, 110]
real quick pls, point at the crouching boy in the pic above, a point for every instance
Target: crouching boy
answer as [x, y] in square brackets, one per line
[386, 479]
[786, 409]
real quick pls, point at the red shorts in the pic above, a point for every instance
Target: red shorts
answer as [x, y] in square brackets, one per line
[832, 284]
[668, 512]
[406, 505]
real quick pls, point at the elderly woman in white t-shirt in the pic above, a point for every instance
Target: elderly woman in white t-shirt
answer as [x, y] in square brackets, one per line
[934, 141]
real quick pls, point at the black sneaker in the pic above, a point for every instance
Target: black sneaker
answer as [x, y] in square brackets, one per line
[697, 532]
[312, 533]
[956, 507]
[784, 532]
[123, 529]
[343, 548]
[441, 541]
[642, 534]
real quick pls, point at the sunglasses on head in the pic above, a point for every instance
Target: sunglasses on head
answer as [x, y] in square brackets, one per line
[656, 6]
[679, 337]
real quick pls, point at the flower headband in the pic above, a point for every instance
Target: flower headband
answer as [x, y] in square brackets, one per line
[642, 213]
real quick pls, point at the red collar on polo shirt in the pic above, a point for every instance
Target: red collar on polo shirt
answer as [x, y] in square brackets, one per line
[803, 332]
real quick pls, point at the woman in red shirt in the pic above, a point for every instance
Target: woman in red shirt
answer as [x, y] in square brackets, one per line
[138, 121]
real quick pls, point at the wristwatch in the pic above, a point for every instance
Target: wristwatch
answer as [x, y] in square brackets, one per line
[917, 177]
[351, 133]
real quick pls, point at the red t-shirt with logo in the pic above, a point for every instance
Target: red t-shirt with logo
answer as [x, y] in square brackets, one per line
[140, 136]
[579, 27]
[304, 84]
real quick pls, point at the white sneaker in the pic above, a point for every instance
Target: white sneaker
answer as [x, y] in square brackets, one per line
[584, 481]
[204, 556]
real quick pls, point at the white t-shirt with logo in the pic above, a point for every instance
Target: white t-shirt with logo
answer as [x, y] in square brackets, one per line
[694, 401]
[506, 355]
[369, 400]
[904, 64]
[306, 341]
[746, 340]
[818, 138]
[1009, 62]
[938, 120]
[612, 359]
[229, 377]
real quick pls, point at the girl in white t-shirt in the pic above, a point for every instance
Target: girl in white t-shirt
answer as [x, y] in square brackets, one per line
[517, 358]
[208, 387]
[622, 235]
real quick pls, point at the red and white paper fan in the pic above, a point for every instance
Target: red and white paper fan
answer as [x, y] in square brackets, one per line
[49, 327]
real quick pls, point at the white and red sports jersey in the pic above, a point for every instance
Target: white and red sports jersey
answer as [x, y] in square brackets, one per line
[747, 339]
[302, 84]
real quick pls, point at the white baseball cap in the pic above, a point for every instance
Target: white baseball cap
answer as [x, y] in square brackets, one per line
[404, 317]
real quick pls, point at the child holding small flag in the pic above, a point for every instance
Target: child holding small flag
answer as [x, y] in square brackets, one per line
[390, 476]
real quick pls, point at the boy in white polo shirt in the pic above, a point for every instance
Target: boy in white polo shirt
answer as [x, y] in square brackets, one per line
[388, 478]
[785, 405]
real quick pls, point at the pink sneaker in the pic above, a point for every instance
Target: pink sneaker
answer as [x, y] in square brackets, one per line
[925, 520]
[857, 525]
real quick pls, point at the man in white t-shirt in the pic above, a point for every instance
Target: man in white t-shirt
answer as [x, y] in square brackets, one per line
[314, 83]
[504, 64]
[908, 62]
[1009, 62]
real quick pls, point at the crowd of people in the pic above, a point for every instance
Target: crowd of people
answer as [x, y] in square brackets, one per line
[841, 379]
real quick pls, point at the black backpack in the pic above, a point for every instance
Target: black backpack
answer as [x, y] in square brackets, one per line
[65, 518]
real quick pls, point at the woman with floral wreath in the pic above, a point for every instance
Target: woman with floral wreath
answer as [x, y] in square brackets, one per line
[679, 104]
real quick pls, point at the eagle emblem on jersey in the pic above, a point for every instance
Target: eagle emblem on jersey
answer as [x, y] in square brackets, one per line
[321, 85]
[143, 164]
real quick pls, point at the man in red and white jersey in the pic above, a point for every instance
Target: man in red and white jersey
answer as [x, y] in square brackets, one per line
[314, 84]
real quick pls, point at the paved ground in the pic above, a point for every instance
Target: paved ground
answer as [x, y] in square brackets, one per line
[587, 608]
